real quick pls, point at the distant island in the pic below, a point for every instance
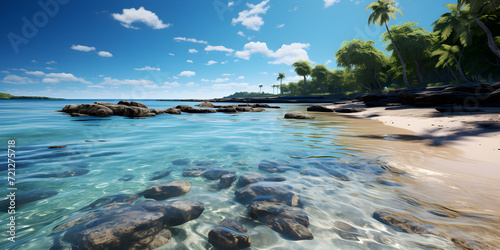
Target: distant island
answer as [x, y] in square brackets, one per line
[9, 96]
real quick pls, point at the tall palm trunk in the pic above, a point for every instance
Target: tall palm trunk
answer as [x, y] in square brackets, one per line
[281, 86]
[491, 41]
[420, 71]
[462, 74]
[400, 57]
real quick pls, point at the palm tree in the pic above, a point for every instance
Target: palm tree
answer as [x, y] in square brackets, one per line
[383, 10]
[447, 57]
[479, 7]
[302, 68]
[281, 76]
[260, 86]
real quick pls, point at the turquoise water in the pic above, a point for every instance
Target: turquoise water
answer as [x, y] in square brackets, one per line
[116, 146]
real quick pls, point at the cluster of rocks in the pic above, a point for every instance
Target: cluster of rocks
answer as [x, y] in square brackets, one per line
[115, 223]
[136, 109]
[320, 108]
[449, 98]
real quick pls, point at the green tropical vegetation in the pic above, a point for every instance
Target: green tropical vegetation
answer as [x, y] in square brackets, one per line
[462, 47]
[9, 96]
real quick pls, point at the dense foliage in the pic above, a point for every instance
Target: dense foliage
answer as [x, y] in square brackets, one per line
[462, 47]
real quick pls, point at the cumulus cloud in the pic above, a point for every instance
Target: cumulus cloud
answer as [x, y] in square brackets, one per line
[105, 54]
[241, 33]
[230, 4]
[147, 68]
[141, 15]
[193, 40]
[187, 73]
[35, 73]
[241, 77]
[171, 84]
[329, 3]
[263, 73]
[192, 51]
[229, 85]
[133, 82]
[219, 48]
[251, 18]
[82, 48]
[172, 54]
[287, 54]
[224, 62]
[189, 61]
[51, 62]
[205, 80]
[226, 74]
[190, 84]
[280, 26]
[15, 79]
[211, 62]
[63, 77]
[221, 80]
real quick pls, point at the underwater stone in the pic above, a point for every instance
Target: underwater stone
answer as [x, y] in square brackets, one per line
[167, 190]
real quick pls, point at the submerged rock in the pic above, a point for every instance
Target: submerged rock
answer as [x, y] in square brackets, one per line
[288, 227]
[167, 190]
[230, 234]
[160, 174]
[216, 174]
[22, 198]
[297, 115]
[226, 181]
[127, 177]
[274, 166]
[64, 174]
[252, 177]
[182, 162]
[193, 172]
[139, 226]
[267, 191]
[112, 199]
[400, 222]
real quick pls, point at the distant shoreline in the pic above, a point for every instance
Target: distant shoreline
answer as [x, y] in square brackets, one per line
[279, 99]
[5, 96]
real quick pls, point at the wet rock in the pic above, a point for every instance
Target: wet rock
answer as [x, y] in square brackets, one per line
[172, 111]
[273, 166]
[400, 222]
[168, 190]
[319, 108]
[206, 105]
[193, 172]
[112, 199]
[215, 174]
[182, 162]
[226, 180]
[77, 115]
[260, 209]
[160, 174]
[468, 245]
[230, 234]
[227, 110]
[349, 110]
[388, 183]
[315, 173]
[23, 198]
[204, 163]
[62, 146]
[133, 104]
[137, 112]
[252, 177]
[88, 109]
[127, 177]
[288, 227]
[346, 231]
[64, 174]
[297, 115]
[267, 191]
[189, 109]
[139, 226]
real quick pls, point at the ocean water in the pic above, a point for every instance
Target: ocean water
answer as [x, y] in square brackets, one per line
[113, 147]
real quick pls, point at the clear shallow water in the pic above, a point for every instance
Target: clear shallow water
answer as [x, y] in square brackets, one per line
[115, 146]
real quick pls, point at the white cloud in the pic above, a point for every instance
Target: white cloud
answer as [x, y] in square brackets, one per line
[226, 74]
[205, 80]
[175, 77]
[236, 60]
[142, 15]
[211, 62]
[147, 68]
[171, 84]
[105, 54]
[288, 54]
[280, 25]
[117, 82]
[218, 48]
[241, 77]
[190, 84]
[251, 18]
[82, 48]
[15, 79]
[241, 33]
[34, 61]
[184, 39]
[51, 62]
[230, 4]
[229, 85]
[187, 73]
[224, 62]
[96, 86]
[263, 73]
[172, 54]
[35, 73]
[5, 71]
[221, 80]
[49, 68]
[189, 61]
[329, 3]
[328, 62]
[192, 51]
[253, 48]
[63, 77]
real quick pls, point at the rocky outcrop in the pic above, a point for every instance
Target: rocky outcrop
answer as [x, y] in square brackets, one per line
[267, 191]
[349, 110]
[226, 181]
[167, 190]
[124, 226]
[319, 108]
[400, 222]
[297, 115]
[104, 109]
[274, 166]
[112, 199]
[189, 109]
[206, 105]
[230, 234]
[249, 178]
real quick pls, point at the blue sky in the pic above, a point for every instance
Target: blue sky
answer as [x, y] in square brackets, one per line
[154, 49]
